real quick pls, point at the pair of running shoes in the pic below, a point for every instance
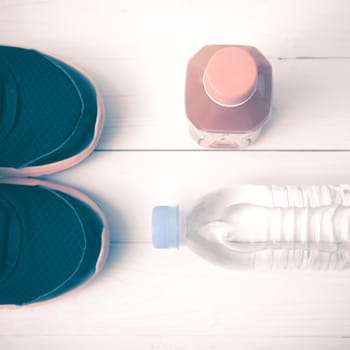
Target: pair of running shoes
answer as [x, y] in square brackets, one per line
[53, 239]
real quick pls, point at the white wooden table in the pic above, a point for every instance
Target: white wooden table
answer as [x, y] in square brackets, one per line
[137, 52]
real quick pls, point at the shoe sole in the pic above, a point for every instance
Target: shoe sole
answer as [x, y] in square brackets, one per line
[104, 235]
[77, 158]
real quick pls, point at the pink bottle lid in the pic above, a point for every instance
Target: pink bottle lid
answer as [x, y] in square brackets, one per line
[230, 77]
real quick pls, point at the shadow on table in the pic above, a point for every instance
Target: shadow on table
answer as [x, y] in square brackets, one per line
[117, 228]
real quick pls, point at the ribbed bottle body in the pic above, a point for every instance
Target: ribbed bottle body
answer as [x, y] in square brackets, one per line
[279, 227]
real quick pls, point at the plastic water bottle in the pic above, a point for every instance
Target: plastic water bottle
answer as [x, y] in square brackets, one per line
[268, 227]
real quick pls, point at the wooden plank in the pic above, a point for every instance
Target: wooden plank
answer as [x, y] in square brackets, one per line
[139, 56]
[128, 184]
[145, 104]
[136, 29]
[144, 292]
[171, 343]
[310, 106]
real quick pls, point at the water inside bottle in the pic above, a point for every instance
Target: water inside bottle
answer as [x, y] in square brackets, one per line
[298, 227]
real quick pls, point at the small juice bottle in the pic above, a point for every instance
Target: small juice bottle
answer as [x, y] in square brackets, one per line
[228, 95]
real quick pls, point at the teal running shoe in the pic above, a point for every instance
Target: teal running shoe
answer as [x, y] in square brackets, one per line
[51, 113]
[53, 240]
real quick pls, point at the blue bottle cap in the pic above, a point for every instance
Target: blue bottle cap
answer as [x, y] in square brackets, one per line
[165, 227]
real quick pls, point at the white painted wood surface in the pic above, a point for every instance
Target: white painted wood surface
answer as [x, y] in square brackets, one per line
[128, 184]
[137, 52]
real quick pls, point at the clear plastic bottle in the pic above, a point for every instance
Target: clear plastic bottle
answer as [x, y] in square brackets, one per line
[268, 227]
